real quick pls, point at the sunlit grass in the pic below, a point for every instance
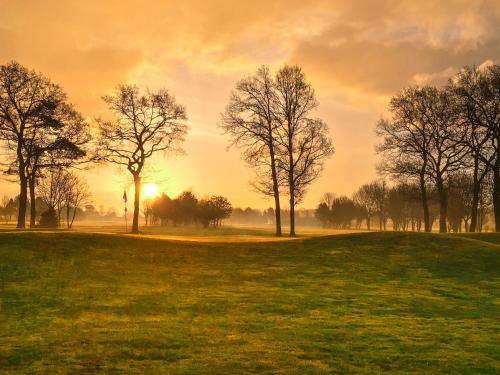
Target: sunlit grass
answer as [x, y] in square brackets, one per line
[226, 233]
[359, 303]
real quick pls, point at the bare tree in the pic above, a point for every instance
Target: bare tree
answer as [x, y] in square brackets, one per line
[250, 120]
[75, 195]
[478, 99]
[8, 208]
[147, 211]
[146, 123]
[27, 101]
[406, 143]
[328, 199]
[366, 197]
[59, 142]
[304, 141]
[52, 190]
[379, 192]
[448, 147]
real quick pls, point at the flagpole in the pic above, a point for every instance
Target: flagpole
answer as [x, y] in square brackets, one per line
[125, 219]
[125, 208]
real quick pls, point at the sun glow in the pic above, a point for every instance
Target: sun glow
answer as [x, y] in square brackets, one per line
[150, 190]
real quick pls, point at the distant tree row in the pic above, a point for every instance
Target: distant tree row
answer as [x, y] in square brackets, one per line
[258, 217]
[61, 194]
[400, 205]
[8, 209]
[63, 197]
[439, 136]
[270, 119]
[187, 209]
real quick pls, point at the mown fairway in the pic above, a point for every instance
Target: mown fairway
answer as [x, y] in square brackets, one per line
[357, 303]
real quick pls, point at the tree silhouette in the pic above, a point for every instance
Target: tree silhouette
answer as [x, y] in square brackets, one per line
[478, 98]
[366, 198]
[304, 141]
[76, 195]
[146, 123]
[250, 120]
[33, 119]
[406, 143]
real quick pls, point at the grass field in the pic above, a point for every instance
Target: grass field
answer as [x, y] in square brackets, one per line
[354, 303]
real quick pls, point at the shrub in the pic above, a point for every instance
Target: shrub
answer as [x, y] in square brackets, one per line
[48, 219]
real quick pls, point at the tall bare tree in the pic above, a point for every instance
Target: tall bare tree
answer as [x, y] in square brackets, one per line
[365, 198]
[250, 120]
[27, 102]
[76, 194]
[59, 142]
[448, 147]
[304, 141]
[52, 190]
[478, 98]
[406, 143]
[146, 123]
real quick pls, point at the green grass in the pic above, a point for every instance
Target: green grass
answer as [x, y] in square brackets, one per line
[358, 303]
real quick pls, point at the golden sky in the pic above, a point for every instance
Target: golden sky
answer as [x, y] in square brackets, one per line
[355, 53]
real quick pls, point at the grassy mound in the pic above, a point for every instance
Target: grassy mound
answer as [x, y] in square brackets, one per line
[357, 303]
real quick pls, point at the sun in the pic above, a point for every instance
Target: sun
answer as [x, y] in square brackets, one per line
[150, 190]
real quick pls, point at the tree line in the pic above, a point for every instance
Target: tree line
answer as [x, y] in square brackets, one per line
[440, 149]
[62, 195]
[434, 137]
[374, 205]
[439, 135]
[186, 209]
[270, 118]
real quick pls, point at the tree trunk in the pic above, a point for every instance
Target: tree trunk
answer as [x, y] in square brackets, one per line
[31, 180]
[476, 189]
[368, 222]
[277, 206]
[292, 201]
[443, 204]
[137, 186]
[23, 197]
[291, 184]
[425, 203]
[67, 215]
[474, 209]
[496, 193]
[73, 218]
[59, 210]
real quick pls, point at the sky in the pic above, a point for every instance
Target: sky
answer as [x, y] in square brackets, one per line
[356, 54]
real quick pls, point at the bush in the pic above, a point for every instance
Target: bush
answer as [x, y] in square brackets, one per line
[48, 219]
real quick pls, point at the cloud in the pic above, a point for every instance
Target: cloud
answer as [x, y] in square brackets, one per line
[386, 67]
[402, 44]
[356, 54]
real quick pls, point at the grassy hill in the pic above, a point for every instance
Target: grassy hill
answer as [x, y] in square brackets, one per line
[354, 303]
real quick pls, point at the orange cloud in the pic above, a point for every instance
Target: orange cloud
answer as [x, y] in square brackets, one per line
[356, 53]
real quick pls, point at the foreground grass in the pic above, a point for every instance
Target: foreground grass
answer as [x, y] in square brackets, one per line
[193, 233]
[360, 303]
